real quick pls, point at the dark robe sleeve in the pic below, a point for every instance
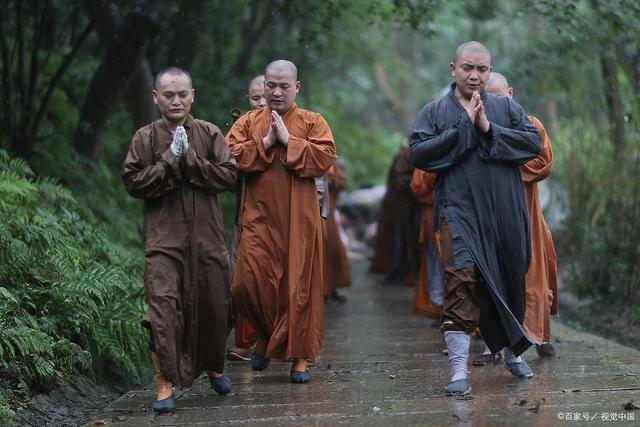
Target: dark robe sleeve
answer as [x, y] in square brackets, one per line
[145, 178]
[215, 175]
[435, 151]
[517, 144]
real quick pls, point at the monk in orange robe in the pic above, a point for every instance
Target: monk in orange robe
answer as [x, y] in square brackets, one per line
[337, 262]
[422, 188]
[541, 283]
[278, 282]
[244, 331]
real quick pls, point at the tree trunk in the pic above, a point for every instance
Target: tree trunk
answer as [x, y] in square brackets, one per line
[111, 79]
[613, 97]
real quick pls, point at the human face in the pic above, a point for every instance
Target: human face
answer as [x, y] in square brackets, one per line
[174, 97]
[470, 72]
[280, 89]
[256, 96]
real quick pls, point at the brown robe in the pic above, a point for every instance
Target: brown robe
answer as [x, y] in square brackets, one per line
[186, 277]
[541, 285]
[422, 188]
[278, 282]
[396, 247]
[336, 260]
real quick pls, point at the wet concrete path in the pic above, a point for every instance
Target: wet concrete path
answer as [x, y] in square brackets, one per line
[381, 365]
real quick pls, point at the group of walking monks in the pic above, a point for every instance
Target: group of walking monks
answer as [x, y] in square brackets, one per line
[485, 263]
[473, 149]
[286, 256]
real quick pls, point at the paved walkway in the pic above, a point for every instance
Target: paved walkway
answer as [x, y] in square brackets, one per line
[381, 365]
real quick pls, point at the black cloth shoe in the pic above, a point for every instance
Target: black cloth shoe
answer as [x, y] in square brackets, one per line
[487, 358]
[338, 297]
[259, 362]
[298, 377]
[165, 405]
[545, 349]
[221, 385]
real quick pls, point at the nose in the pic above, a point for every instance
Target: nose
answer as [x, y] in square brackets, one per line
[175, 100]
[262, 102]
[277, 92]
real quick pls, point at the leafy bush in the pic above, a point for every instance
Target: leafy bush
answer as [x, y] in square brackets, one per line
[70, 295]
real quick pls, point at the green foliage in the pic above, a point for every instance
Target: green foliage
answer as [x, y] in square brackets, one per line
[70, 295]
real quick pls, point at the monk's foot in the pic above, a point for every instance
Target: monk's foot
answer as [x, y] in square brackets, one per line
[299, 377]
[487, 358]
[238, 354]
[338, 297]
[458, 388]
[165, 400]
[259, 362]
[220, 383]
[545, 349]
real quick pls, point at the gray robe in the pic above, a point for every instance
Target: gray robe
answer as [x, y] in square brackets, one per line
[480, 193]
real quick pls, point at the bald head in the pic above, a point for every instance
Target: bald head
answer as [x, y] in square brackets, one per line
[257, 81]
[283, 65]
[255, 93]
[498, 85]
[471, 47]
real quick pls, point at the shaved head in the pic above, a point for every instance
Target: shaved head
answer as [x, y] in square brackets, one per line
[471, 47]
[282, 65]
[498, 85]
[257, 81]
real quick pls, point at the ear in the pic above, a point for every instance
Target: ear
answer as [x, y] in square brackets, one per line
[193, 96]
[452, 67]
[510, 92]
[297, 86]
[155, 97]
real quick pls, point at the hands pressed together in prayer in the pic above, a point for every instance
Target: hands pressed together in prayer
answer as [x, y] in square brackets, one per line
[476, 112]
[278, 132]
[180, 143]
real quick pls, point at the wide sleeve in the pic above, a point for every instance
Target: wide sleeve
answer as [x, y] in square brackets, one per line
[517, 144]
[312, 157]
[539, 168]
[435, 151]
[145, 177]
[422, 184]
[211, 175]
[248, 149]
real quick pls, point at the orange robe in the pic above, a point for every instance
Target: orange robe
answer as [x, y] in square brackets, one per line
[422, 189]
[336, 260]
[278, 282]
[541, 285]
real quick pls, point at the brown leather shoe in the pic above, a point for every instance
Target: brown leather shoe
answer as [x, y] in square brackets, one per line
[545, 349]
[487, 358]
[237, 354]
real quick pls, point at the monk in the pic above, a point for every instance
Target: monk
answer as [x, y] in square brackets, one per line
[540, 282]
[430, 284]
[476, 143]
[244, 331]
[338, 274]
[396, 252]
[178, 165]
[278, 282]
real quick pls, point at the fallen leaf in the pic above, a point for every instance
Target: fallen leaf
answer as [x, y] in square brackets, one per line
[393, 376]
[630, 406]
[455, 416]
[519, 402]
[535, 408]
[131, 395]
[329, 366]
[99, 423]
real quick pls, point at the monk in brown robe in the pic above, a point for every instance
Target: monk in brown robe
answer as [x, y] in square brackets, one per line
[178, 165]
[338, 274]
[396, 252]
[541, 283]
[431, 273]
[278, 282]
[244, 331]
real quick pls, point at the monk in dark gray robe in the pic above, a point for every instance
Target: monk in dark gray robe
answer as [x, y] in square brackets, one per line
[476, 142]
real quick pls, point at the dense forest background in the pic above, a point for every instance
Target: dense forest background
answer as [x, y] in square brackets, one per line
[76, 82]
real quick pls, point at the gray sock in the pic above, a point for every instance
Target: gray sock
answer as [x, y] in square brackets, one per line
[509, 356]
[458, 347]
